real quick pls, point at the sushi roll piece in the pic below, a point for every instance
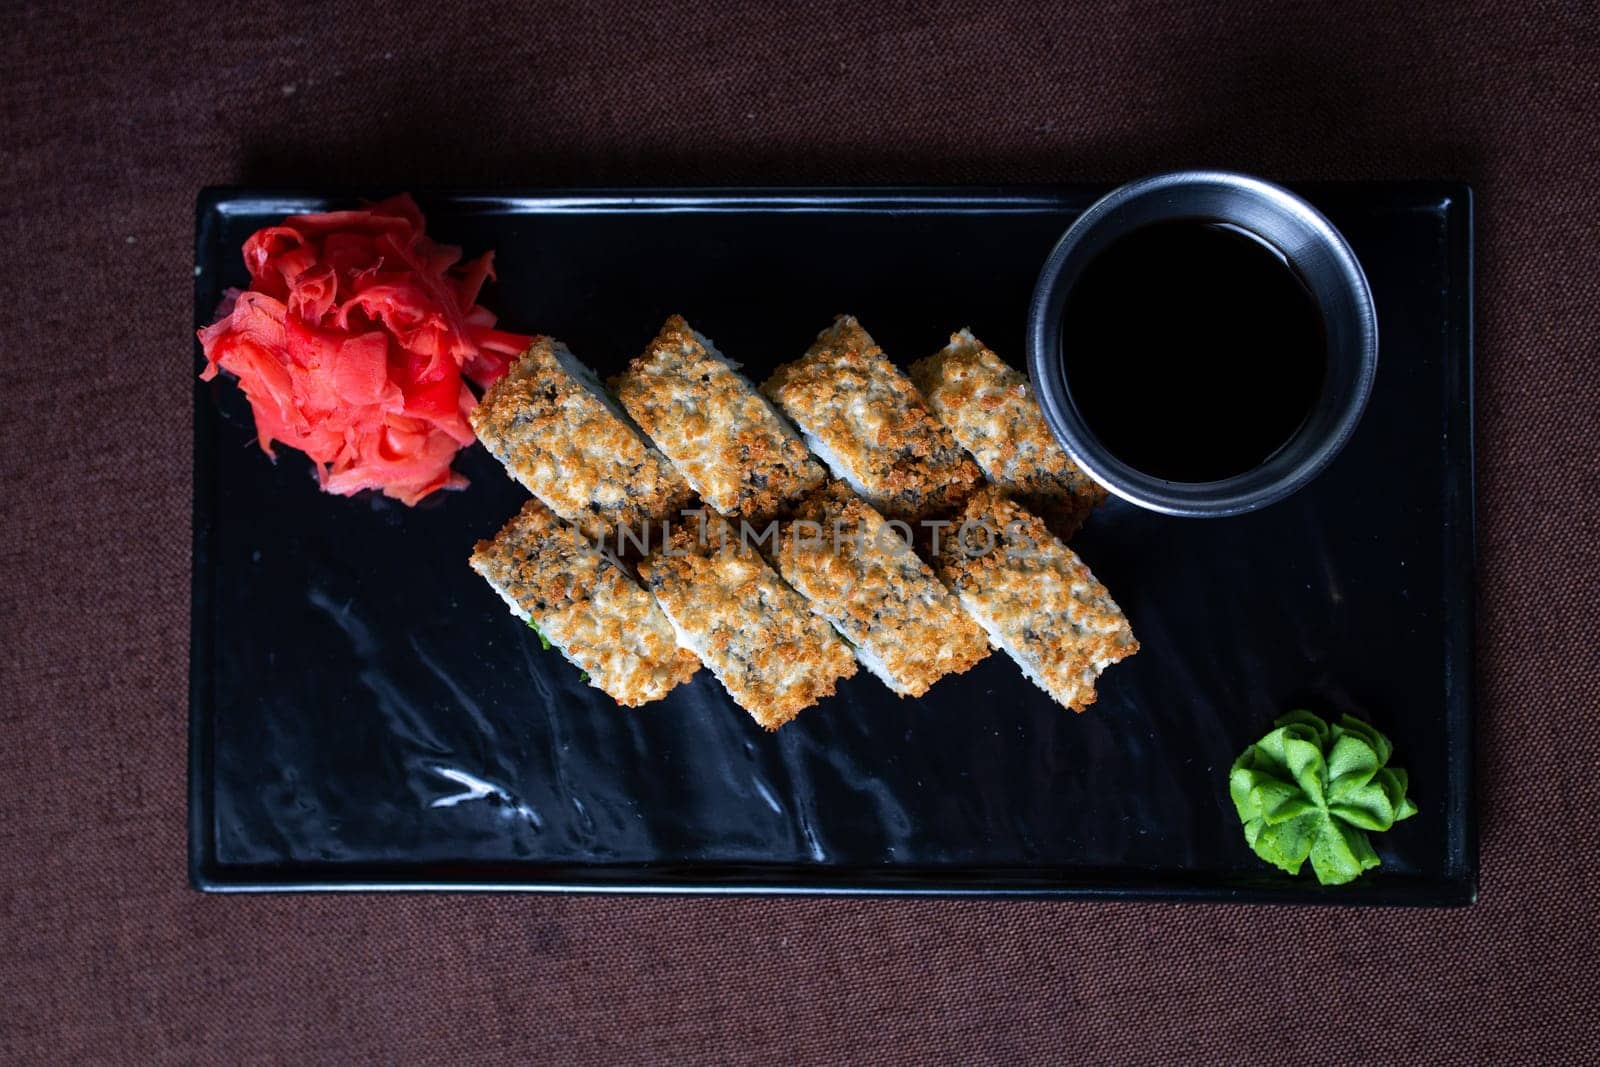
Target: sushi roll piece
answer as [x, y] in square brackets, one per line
[990, 408]
[865, 420]
[1034, 597]
[756, 634]
[859, 573]
[583, 602]
[552, 424]
[737, 452]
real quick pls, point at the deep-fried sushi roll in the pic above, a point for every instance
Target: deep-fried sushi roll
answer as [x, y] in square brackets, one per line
[738, 453]
[863, 417]
[859, 573]
[756, 634]
[585, 605]
[552, 424]
[1034, 597]
[991, 410]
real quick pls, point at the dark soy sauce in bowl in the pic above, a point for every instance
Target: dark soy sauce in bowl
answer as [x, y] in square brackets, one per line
[1192, 350]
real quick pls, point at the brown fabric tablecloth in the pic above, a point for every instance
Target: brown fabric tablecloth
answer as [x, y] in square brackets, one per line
[115, 114]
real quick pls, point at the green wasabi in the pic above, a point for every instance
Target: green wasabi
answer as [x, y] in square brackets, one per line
[1310, 789]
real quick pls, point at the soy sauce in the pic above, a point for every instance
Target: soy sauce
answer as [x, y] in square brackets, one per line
[1192, 350]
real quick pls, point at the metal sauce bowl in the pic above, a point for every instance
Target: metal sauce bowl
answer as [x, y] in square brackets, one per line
[1324, 262]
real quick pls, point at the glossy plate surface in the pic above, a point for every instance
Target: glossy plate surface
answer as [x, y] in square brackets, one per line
[366, 715]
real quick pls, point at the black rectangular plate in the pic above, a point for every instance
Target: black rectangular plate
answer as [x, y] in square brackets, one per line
[366, 715]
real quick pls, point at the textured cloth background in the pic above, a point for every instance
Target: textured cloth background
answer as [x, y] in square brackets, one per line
[111, 118]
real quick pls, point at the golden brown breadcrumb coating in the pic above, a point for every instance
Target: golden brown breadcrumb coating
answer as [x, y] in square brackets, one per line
[584, 603]
[859, 574]
[549, 421]
[990, 408]
[756, 634]
[1034, 596]
[865, 419]
[731, 446]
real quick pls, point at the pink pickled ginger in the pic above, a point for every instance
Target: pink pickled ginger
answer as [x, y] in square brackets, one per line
[353, 342]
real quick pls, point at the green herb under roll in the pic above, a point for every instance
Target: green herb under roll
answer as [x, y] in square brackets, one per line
[544, 642]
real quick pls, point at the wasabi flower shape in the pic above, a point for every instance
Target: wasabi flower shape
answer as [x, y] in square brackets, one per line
[1314, 789]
